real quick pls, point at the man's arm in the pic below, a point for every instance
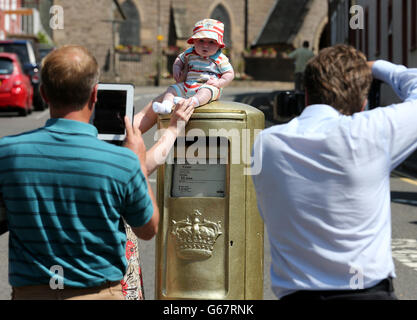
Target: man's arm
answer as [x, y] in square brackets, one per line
[292, 55]
[402, 80]
[179, 70]
[399, 120]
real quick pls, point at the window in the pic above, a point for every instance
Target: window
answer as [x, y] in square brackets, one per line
[220, 13]
[404, 32]
[130, 29]
[366, 31]
[6, 66]
[20, 50]
[129, 32]
[390, 32]
[378, 27]
[413, 24]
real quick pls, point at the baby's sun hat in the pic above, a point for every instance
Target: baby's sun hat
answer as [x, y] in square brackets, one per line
[210, 29]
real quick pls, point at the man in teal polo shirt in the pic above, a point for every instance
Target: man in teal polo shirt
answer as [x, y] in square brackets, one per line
[66, 192]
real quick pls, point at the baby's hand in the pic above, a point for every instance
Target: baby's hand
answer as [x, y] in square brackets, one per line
[176, 74]
[180, 74]
[213, 82]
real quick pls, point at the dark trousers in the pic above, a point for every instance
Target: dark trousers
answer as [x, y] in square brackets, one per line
[384, 290]
[299, 82]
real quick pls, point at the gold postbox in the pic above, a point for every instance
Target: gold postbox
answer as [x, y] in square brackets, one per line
[210, 239]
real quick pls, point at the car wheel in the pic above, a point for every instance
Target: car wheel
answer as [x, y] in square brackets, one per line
[23, 112]
[29, 106]
[39, 104]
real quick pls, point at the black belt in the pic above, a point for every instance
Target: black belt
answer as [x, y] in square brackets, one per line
[385, 285]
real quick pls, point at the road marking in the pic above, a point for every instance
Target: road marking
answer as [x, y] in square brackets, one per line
[409, 181]
[405, 251]
[405, 178]
[42, 115]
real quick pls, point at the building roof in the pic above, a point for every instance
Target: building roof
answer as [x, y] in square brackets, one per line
[182, 27]
[283, 23]
[119, 9]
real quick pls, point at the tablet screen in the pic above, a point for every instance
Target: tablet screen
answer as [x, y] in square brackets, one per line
[110, 111]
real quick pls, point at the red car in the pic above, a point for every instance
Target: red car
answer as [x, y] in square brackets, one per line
[16, 92]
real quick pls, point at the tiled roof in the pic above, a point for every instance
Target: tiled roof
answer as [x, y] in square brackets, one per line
[284, 22]
[182, 27]
[119, 9]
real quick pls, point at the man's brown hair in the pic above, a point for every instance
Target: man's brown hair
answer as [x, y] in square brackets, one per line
[68, 76]
[338, 76]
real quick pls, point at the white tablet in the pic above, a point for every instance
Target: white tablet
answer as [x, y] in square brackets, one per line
[114, 102]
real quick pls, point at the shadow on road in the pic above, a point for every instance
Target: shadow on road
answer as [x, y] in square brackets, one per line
[9, 115]
[407, 198]
[262, 101]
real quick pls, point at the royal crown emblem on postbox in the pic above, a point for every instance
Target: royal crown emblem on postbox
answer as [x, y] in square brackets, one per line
[195, 236]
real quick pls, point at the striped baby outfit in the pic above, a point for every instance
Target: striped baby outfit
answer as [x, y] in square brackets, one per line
[199, 69]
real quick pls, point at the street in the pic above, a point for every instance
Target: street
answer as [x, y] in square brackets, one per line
[403, 198]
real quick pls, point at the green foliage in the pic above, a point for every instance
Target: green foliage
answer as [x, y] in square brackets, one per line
[42, 38]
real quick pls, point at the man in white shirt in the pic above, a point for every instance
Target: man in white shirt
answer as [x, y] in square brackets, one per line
[324, 187]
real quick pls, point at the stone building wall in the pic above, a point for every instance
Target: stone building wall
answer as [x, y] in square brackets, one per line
[258, 11]
[84, 25]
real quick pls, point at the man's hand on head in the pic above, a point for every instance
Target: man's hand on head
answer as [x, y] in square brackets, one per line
[370, 64]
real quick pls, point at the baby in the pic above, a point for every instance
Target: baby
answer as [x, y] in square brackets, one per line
[202, 71]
